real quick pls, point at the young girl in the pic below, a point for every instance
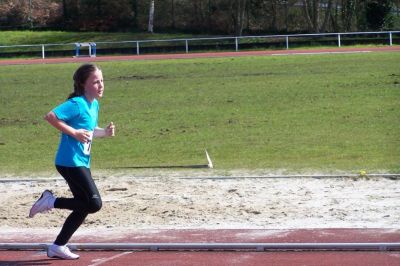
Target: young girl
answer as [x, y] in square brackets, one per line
[77, 120]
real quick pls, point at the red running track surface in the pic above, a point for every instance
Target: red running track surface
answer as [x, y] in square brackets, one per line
[212, 257]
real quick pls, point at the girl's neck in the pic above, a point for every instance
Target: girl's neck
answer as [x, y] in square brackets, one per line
[88, 98]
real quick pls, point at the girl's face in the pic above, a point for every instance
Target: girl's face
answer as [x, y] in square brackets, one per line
[94, 86]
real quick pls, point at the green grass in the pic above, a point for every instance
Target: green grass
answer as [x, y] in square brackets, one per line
[60, 37]
[300, 113]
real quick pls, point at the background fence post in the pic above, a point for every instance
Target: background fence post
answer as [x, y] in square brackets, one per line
[76, 49]
[390, 38]
[339, 41]
[42, 51]
[236, 44]
[187, 46]
[287, 42]
[137, 48]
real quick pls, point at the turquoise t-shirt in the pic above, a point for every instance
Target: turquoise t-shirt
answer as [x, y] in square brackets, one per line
[78, 113]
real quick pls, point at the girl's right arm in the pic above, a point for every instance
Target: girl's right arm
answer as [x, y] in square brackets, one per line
[81, 135]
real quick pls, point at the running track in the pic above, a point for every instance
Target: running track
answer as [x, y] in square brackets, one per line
[158, 258]
[198, 55]
[166, 258]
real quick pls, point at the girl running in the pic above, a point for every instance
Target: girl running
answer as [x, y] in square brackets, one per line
[77, 119]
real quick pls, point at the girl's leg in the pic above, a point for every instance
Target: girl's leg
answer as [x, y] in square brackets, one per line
[71, 224]
[86, 200]
[86, 196]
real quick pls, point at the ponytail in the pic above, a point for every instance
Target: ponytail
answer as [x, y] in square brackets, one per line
[80, 77]
[77, 92]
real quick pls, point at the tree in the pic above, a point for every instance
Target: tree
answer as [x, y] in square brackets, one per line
[134, 5]
[376, 12]
[65, 11]
[151, 17]
[348, 12]
[172, 14]
[312, 12]
[240, 8]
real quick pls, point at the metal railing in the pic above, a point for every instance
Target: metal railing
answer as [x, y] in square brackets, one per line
[232, 43]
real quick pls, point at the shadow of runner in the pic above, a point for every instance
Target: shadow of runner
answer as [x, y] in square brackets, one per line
[29, 262]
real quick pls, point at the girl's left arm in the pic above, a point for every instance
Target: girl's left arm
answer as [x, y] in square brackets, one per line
[109, 131]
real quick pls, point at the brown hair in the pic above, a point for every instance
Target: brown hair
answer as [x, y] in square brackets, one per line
[80, 77]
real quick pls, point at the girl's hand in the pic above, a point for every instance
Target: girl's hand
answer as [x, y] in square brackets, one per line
[110, 130]
[82, 135]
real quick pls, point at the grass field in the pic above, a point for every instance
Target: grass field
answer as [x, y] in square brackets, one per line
[300, 113]
[44, 37]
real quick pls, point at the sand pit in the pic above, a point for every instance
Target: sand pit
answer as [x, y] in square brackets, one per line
[196, 200]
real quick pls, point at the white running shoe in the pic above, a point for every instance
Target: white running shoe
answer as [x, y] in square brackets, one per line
[61, 252]
[43, 204]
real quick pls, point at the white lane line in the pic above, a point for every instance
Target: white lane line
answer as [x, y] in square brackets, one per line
[102, 261]
[322, 53]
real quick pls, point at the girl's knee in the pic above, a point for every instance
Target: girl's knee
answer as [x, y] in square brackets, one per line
[95, 205]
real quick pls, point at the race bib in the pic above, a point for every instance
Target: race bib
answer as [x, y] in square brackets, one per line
[88, 145]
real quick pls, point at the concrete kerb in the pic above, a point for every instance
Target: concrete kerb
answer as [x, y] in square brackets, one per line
[393, 246]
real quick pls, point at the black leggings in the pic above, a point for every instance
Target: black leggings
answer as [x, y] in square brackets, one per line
[86, 200]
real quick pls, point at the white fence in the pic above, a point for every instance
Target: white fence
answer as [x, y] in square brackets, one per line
[186, 43]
